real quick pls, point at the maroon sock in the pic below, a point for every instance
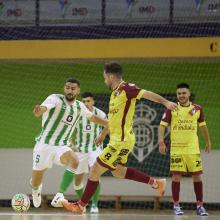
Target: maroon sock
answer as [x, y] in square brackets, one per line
[136, 175]
[175, 192]
[90, 189]
[199, 192]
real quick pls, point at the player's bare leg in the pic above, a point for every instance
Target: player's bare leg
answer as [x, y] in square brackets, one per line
[36, 184]
[70, 160]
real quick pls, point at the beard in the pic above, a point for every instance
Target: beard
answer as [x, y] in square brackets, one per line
[183, 101]
[70, 97]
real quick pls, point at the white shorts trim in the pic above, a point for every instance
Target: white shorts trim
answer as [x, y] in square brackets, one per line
[86, 160]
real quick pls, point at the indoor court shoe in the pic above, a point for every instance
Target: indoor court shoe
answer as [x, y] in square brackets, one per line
[161, 185]
[36, 196]
[57, 200]
[73, 207]
[177, 210]
[201, 211]
[94, 209]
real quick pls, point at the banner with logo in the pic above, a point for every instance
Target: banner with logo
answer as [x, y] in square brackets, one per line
[70, 12]
[196, 11]
[17, 12]
[137, 11]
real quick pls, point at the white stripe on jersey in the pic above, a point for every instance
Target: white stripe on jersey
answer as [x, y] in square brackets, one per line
[87, 131]
[58, 122]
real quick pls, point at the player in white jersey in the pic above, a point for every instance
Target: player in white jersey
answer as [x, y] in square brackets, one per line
[84, 141]
[60, 115]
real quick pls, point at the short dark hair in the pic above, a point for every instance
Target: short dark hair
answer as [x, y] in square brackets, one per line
[73, 80]
[87, 94]
[182, 85]
[113, 68]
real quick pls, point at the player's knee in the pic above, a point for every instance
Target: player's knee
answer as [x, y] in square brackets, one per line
[95, 172]
[74, 163]
[197, 178]
[176, 178]
[118, 173]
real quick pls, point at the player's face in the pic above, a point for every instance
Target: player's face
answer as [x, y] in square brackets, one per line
[89, 102]
[108, 80]
[71, 90]
[183, 95]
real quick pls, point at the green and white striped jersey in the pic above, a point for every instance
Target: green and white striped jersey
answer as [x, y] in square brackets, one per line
[87, 131]
[60, 119]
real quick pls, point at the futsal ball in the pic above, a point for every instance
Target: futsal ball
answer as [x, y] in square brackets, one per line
[20, 202]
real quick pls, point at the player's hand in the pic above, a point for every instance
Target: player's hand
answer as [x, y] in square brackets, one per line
[208, 147]
[72, 146]
[162, 147]
[171, 106]
[37, 110]
[99, 139]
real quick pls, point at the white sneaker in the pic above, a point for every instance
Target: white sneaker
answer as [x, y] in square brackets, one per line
[36, 196]
[94, 209]
[57, 200]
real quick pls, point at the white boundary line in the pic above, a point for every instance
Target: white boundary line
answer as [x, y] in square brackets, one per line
[100, 215]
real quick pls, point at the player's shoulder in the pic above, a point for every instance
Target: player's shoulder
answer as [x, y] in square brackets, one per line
[127, 86]
[56, 96]
[196, 106]
[79, 103]
[99, 111]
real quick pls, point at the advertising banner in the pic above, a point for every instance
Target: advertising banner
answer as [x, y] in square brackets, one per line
[196, 11]
[70, 12]
[17, 12]
[137, 11]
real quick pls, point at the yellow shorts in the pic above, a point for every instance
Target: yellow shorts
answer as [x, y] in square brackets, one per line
[185, 163]
[115, 153]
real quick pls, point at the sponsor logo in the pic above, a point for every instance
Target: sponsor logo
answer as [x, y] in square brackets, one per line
[113, 111]
[88, 127]
[14, 12]
[79, 11]
[145, 131]
[117, 93]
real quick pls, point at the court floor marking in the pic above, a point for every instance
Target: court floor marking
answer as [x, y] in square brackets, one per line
[100, 214]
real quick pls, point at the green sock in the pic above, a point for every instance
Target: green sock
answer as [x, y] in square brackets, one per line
[95, 197]
[79, 192]
[66, 181]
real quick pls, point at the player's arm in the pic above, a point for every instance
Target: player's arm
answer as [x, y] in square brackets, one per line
[39, 110]
[49, 103]
[159, 99]
[166, 120]
[92, 117]
[98, 120]
[72, 145]
[205, 133]
[204, 130]
[101, 137]
[162, 146]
